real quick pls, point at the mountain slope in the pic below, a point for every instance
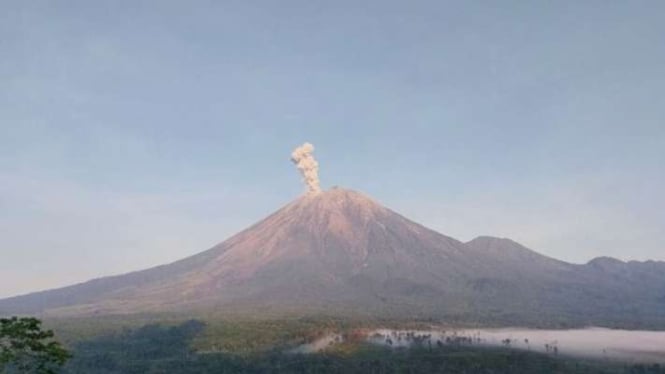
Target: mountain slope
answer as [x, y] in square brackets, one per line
[532, 288]
[340, 252]
[320, 249]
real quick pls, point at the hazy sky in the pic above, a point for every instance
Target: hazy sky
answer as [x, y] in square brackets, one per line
[136, 133]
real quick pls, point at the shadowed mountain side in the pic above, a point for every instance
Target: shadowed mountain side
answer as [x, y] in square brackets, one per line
[531, 287]
[340, 252]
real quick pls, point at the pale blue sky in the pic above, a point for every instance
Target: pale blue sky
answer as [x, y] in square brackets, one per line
[135, 133]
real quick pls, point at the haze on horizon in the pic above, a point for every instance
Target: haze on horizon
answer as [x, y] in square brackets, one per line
[135, 135]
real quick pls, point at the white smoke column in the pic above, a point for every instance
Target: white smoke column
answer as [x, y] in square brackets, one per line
[309, 168]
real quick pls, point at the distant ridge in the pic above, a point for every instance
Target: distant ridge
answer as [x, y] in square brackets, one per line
[340, 252]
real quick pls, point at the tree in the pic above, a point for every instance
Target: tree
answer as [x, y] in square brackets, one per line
[26, 348]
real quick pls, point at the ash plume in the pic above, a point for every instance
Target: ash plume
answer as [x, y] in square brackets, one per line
[304, 160]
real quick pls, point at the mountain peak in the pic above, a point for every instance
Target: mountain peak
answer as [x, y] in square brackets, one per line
[507, 250]
[337, 197]
[333, 247]
[332, 207]
[337, 194]
[339, 251]
[606, 263]
[494, 244]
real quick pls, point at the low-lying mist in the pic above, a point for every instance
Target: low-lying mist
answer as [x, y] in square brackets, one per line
[601, 343]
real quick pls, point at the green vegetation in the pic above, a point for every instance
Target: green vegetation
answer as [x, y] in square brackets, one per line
[26, 348]
[262, 347]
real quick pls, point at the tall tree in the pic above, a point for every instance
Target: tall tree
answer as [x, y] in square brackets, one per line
[26, 348]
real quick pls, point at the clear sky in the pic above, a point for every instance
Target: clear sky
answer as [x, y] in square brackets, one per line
[136, 133]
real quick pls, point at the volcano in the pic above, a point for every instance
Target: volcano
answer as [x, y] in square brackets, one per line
[339, 252]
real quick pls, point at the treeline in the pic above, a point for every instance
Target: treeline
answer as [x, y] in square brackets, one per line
[168, 349]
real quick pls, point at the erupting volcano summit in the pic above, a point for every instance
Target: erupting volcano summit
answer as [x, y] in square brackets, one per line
[340, 252]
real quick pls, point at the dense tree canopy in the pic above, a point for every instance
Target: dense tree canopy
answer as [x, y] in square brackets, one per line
[26, 348]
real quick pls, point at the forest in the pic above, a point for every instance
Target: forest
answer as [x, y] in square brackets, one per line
[262, 347]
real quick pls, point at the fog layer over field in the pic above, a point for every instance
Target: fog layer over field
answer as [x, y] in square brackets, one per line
[621, 345]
